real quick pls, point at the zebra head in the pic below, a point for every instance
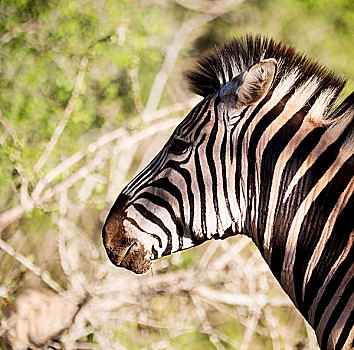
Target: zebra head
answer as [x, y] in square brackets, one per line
[183, 197]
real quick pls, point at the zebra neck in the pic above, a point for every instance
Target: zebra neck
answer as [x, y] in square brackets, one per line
[294, 185]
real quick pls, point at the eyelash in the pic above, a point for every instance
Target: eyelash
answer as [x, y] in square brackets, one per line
[178, 146]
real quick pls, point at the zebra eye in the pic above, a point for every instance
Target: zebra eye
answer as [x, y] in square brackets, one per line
[178, 146]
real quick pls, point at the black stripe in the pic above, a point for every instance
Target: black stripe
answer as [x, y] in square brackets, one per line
[201, 187]
[345, 333]
[211, 165]
[154, 252]
[189, 119]
[256, 230]
[224, 175]
[165, 184]
[344, 106]
[188, 179]
[154, 219]
[240, 138]
[196, 114]
[201, 126]
[310, 233]
[337, 311]
[286, 212]
[144, 174]
[269, 159]
[332, 286]
[282, 222]
[334, 247]
[232, 136]
[158, 201]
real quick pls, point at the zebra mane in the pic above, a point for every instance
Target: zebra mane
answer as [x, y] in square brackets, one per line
[226, 61]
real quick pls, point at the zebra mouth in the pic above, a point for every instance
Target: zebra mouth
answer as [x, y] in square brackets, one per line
[133, 258]
[125, 252]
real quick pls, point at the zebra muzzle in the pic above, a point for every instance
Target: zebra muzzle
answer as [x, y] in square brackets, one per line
[132, 257]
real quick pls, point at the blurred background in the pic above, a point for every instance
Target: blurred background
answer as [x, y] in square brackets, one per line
[89, 93]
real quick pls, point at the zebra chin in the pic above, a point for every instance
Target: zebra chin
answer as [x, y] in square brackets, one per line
[132, 257]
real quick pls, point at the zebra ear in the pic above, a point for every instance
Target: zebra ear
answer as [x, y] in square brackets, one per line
[256, 82]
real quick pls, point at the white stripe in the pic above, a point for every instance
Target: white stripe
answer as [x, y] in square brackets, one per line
[224, 220]
[197, 224]
[240, 215]
[180, 182]
[147, 226]
[231, 185]
[146, 240]
[209, 206]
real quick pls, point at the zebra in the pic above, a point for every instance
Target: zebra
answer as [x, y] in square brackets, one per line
[267, 153]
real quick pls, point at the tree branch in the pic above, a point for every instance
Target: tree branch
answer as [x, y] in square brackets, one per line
[178, 42]
[31, 267]
[63, 122]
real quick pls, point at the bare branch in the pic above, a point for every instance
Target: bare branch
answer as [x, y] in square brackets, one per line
[31, 267]
[158, 86]
[67, 113]
[242, 300]
[177, 107]
[104, 140]
[11, 215]
[250, 328]
[136, 90]
[9, 129]
[205, 325]
[75, 158]
[101, 156]
[17, 212]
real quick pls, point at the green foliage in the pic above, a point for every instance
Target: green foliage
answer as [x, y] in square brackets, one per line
[42, 44]
[193, 340]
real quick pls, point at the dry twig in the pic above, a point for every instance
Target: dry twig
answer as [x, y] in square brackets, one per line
[63, 122]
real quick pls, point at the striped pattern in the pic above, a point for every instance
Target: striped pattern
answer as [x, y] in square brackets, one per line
[279, 170]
